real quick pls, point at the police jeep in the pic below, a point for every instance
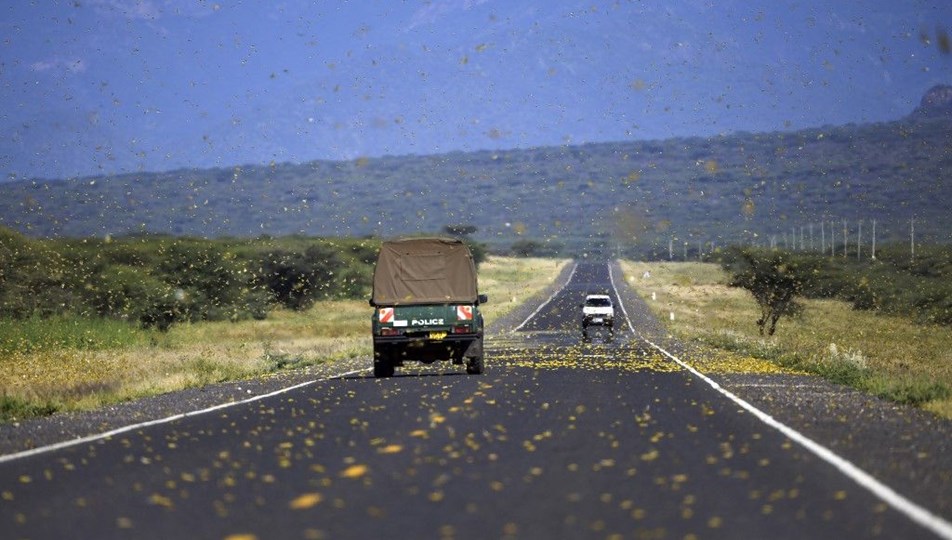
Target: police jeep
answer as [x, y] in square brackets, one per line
[426, 304]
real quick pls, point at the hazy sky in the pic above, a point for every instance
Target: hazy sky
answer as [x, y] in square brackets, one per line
[109, 86]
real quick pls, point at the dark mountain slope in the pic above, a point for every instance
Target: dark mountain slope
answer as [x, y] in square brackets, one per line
[739, 187]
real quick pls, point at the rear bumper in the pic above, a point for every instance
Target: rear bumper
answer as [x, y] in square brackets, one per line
[454, 347]
[426, 339]
[597, 320]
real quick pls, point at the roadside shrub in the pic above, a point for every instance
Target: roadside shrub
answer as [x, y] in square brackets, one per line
[297, 279]
[158, 281]
[258, 306]
[203, 267]
[893, 283]
[774, 279]
[119, 292]
[365, 252]
[847, 367]
[536, 248]
[43, 285]
[934, 304]
[353, 282]
[479, 250]
[207, 282]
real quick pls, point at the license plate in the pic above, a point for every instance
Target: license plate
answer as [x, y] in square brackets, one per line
[437, 336]
[597, 319]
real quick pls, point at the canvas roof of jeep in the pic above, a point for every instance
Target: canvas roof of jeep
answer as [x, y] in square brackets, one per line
[424, 271]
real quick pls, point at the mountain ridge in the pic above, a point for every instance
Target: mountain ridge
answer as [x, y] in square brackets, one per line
[742, 187]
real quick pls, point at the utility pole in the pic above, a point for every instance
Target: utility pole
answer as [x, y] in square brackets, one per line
[671, 249]
[823, 237]
[846, 238]
[912, 239]
[859, 239]
[874, 239]
[832, 240]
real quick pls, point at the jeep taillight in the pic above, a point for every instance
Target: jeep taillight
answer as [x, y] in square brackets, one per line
[461, 329]
[389, 332]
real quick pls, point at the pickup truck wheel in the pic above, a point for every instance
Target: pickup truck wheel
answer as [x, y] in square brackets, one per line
[474, 365]
[383, 368]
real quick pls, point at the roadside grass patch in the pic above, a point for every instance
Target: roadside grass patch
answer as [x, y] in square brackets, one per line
[511, 281]
[13, 409]
[889, 356]
[37, 334]
[848, 368]
[75, 363]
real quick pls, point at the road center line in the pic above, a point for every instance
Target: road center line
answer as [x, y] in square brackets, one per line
[888, 495]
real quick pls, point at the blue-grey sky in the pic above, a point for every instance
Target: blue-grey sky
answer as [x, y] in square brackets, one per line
[109, 86]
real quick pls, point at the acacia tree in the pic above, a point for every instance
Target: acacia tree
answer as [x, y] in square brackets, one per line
[774, 278]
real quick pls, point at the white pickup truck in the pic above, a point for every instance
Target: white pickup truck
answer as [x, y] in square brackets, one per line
[598, 311]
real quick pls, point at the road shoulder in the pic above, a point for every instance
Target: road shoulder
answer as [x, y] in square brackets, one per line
[66, 426]
[906, 448]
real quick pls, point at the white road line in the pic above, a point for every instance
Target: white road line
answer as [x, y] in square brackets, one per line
[916, 513]
[133, 427]
[543, 304]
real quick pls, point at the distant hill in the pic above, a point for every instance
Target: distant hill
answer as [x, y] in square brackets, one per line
[740, 187]
[937, 102]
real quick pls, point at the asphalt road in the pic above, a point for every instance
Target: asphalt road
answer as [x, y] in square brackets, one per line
[559, 438]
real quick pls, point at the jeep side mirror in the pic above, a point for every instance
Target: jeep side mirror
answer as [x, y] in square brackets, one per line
[482, 299]
[371, 302]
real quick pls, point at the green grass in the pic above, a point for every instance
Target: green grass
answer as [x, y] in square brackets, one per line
[13, 409]
[68, 332]
[890, 356]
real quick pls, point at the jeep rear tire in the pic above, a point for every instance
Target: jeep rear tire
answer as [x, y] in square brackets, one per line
[474, 365]
[384, 361]
[383, 367]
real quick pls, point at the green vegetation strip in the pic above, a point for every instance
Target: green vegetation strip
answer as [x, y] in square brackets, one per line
[894, 357]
